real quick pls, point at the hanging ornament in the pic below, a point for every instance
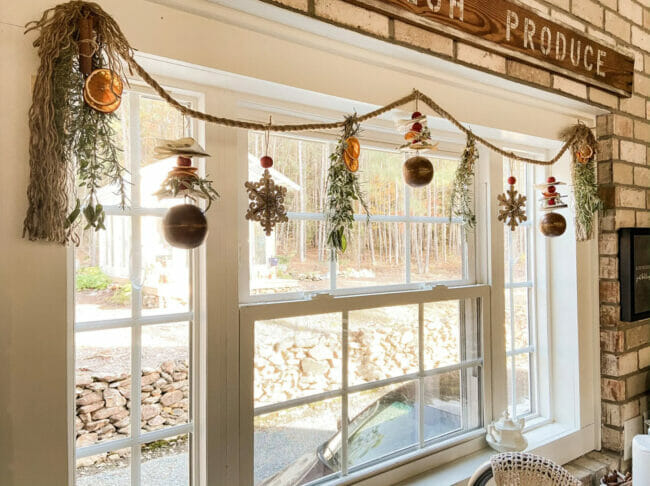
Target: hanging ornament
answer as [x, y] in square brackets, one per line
[418, 171]
[267, 202]
[514, 206]
[552, 224]
[185, 225]
[267, 198]
[461, 194]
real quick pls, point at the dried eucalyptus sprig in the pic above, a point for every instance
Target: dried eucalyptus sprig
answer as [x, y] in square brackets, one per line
[583, 175]
[461, 196]
[343, 189]
[193, 188]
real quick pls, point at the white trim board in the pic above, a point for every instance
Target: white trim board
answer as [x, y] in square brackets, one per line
[259, 17]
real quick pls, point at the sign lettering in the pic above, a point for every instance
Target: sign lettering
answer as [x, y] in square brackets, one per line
[517, 33]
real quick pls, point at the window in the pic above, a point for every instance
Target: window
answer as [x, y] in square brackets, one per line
[409, 238]
[519, 297]
[135, 316]
[361, 382]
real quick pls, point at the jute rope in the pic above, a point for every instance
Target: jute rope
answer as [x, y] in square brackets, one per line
[415, 95]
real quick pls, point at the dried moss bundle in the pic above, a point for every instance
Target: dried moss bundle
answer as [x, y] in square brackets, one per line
[461, 196]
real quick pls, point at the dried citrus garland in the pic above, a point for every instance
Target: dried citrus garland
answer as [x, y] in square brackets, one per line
[51, 192]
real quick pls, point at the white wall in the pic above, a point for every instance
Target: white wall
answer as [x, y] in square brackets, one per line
[33, 325]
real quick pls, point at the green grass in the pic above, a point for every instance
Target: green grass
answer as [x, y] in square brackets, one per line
[92, 278]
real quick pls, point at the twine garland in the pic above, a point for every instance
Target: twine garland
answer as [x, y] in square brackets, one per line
[51, 191]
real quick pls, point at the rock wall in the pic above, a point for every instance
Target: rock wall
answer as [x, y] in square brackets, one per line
[103, 402]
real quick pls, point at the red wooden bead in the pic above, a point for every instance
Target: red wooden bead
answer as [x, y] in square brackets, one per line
[266, 162]
[551, 189]
[551, 202]
[417, 127]
[550, 179]
[416, 114]
[511, 180]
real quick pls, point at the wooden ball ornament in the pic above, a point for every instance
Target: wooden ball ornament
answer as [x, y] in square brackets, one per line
[185, 226]
[418, 171]
[552, 224]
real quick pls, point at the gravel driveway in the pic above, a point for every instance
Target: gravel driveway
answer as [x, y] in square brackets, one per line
[169, 470]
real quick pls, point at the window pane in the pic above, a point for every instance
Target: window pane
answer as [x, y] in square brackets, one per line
[165, 272]
[158, 120]
[516, 254]
[436, 252]
[508, 315]
[102, 271]
[166, 462]
[522, 374]
[374, 256]
[297, 357]
[110, 468]
[102, 385]
[441, 334]
[300, 442]
[165, 375]
[442, 404]
[383, 343]
[434, 199]
[520, 300]
[380, 176]
[382, 421]
[293, 259]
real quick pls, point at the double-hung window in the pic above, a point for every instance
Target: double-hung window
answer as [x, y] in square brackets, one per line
[136, 323]
[351, 363]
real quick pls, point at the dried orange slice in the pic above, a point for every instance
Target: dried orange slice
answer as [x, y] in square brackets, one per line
[351, 163]
[353, 148]
[103, 90]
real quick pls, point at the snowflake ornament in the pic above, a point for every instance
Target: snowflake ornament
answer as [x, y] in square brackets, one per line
[514, 206]
[267, 202]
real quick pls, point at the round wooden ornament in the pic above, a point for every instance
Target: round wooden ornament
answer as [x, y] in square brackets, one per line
[552, 224]
[185, 226]
[418, 171]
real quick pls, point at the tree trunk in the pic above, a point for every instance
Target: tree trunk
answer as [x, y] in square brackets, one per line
[301, 183]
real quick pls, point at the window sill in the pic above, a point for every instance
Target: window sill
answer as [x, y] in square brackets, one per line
[539, 440]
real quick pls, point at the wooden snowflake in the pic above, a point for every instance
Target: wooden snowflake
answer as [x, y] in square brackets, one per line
[514, 208]
[267, 202]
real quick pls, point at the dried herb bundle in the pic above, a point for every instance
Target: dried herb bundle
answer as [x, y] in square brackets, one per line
[342, 190]
[55, 114]
[585, 186]
[461, 196]
[194, 188]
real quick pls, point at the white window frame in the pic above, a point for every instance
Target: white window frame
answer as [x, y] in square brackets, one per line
[374, 140]
[194, 317]
[325, 304]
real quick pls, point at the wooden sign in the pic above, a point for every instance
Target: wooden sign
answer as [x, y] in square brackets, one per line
[515, 32]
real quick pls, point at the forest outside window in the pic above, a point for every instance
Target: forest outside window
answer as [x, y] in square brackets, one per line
[408, 239]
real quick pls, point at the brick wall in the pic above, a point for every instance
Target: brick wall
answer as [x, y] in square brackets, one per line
[623, 161]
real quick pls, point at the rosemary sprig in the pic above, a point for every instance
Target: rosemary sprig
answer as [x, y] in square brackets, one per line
[88, 141]
[193, 188]
[461, 197]
[343, 189]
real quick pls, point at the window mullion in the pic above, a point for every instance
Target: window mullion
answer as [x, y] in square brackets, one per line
[407, 231]
[344, 392]
[420, 388]
[136, 286]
